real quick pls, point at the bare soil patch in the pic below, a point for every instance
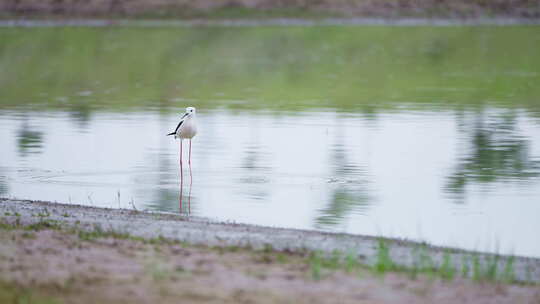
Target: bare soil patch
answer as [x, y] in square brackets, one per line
[58, 266]
[271, 8]
[382, 254]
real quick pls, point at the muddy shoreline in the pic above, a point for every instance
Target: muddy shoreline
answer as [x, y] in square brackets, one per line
[43, 263]
[200, 231]
[359, 21]
[184, 9]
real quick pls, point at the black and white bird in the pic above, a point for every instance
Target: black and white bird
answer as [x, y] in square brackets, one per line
[186, 129]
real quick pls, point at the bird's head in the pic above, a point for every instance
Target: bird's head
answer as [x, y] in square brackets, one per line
[190, 110]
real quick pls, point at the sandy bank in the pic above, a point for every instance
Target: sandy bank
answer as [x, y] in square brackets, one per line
[45, 264]
[246, 22]
[204, 232]
[270, 8]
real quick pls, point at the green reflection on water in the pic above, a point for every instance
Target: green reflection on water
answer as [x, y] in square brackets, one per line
[350, 191]
[293, 68]
[497, 152]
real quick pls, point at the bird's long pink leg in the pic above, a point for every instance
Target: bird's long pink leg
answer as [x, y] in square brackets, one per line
[190, 178]
[181, 176]
[189, 161]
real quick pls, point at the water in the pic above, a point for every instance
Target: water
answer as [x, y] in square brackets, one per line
[422, 133]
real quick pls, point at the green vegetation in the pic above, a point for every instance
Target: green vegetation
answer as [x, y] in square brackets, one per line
[98, 232]
[315, 265]
[236, 13]
[484, 267]
[261, 9]
[160, 271]
[363, 69]
[351, 263]
[508, 274]
[41, 225]
[476, 268]
[491, 267]
[44, 224]
[5, 226]
[384, 262]
[29, 235]
[11, 293]
[465, 266]
[423, 261]
[447, 269]
[45, 213]
[319, 264]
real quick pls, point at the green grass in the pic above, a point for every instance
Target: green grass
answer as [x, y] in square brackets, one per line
[321, 264]
[481, 268]
[29, 235]
[384, 262]
[508, 275]
[447, 269]
[99, 232]
[315, 265]
[236, 13]
[186, 13]
[364, 69]
[160, 271]
[41, 225]
[43, 214]
[11, 293]
[492, 268]
[44, 224]
[476, 268]
[351, 263]
[465, 266]
[6, 226]
[282, 258]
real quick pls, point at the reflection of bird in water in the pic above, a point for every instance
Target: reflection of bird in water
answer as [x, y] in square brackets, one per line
[186, 129]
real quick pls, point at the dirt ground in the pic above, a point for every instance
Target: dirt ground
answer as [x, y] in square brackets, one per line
[60, 266]
[272, 8]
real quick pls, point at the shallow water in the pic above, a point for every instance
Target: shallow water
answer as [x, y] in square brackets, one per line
[423, 133]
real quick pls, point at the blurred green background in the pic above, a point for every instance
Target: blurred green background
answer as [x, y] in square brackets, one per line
[288, 68]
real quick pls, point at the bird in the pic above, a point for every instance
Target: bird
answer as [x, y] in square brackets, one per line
[186, 129]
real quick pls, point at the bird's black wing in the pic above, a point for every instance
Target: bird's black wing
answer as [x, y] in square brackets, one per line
[179, 124]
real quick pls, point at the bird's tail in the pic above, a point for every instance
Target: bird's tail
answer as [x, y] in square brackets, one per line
[172, 133]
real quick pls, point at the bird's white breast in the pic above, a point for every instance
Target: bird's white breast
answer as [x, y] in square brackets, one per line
[188, 129]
